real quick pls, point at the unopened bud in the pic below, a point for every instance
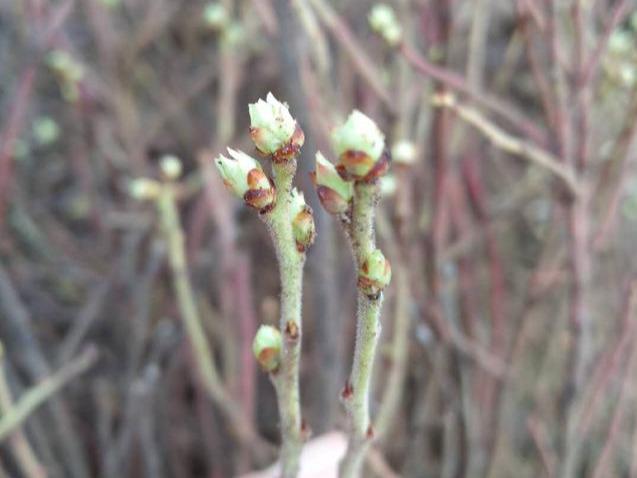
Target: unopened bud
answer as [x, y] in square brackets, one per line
[243, 175]
[143, 189]
[360, 147]
[333, 191]
[215, 16]
[383, 21]
[266, 347]
[403, 152]
[374, 274]
[274, 132]
[171, 167]
[302, 221]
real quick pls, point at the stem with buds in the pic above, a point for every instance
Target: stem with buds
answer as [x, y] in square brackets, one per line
[286, 377]
[357, 392]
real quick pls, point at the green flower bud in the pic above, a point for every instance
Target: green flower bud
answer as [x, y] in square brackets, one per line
[143, 189]
[333, 191]
[274, 132]
[374, 274]
[383, 21]
[266, 347]
[360, 146]
[302, 221]
[243, 175]
[171, 167]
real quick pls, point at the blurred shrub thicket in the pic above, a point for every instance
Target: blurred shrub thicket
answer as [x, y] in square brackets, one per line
[509, 218]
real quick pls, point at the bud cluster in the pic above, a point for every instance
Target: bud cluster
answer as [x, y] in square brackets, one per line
[383, 21]
[362, 157]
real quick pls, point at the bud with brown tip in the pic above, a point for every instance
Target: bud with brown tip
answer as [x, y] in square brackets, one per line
[243, 175]
[333, 191]
[374, 274]
[266, 347]
[302, 221]
[274, 131]
[360, 146]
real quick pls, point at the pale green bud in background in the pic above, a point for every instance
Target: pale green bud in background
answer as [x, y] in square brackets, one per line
[61, 62]
[388, 186]
[171, 167]
[266, 347]
[233, 35]
[383, 21]
[215, 16]
[621, 42]
[143, 189]
[46, 130]
[404, 152]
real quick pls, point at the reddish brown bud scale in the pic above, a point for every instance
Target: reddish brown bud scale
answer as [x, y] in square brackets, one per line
[351, 161]
[331, 200]
[268, 355]
[380, 168]
[291, 330]
[255, 176]
[292, 149]
[261, 199]
[347, 392]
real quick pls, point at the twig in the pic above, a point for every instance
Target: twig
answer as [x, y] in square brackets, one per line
[509, 143]
[203, 356]
[291, 261]
[456, 82]
[22, 450]
[356, 395]
[339, 29]
[39, 393]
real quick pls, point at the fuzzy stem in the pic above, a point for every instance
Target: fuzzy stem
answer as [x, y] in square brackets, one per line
[286, 378]
[357, 394]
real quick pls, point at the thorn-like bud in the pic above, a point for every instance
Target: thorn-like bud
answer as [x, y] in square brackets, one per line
[404, 152]
[171, 167]
[360, 147]
[383, 21]
[274, 132]
[333, 191]
[266, 347]
[243, 175]
[302, 221]
[143, 189]
[374, 274]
